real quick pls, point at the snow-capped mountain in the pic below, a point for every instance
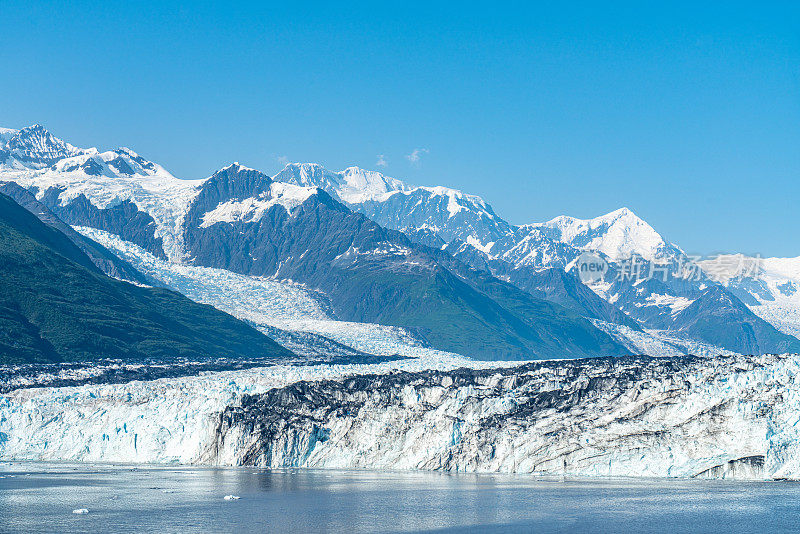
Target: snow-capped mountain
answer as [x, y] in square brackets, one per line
[463, 225]
[648, 278]
[242, 221]
[350, 186]
[617, 235]
[442, 213]
[244, 195]
[448, 214]
[32, 147]
[300, 225]
[116, 190]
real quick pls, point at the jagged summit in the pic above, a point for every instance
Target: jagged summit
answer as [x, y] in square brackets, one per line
[234, 167]
[32, 147]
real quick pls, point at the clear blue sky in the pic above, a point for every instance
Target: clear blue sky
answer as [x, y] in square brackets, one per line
[688, 115]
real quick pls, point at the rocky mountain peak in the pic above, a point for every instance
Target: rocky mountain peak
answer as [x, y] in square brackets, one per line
[34, 146]
[619, 234]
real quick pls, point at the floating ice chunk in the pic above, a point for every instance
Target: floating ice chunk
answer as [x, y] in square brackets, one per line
[80, 511]
[232, 497]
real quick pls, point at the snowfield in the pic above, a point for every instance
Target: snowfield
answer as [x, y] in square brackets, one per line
[252, 209]
[732, 417]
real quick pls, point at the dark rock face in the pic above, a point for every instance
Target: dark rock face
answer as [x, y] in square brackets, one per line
[147, 165]
[123, 219]
[425, 237]
[463, 252]
[720, 318]
[92, 167]
[105, 260]
[788, 288]
[231, 183]
[551, 284]
[121, 166]
[372, 274]
[566, 289]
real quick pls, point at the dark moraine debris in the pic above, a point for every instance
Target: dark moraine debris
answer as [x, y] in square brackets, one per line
[632, 416]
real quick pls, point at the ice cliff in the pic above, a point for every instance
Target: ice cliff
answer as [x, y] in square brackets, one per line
[733, 417]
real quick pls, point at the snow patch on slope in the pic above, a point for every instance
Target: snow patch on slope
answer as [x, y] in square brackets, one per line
[252, 209]
[676, 304]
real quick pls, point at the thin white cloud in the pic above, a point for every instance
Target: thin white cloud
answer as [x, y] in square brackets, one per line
[416, 155]
[283, 160]
[381, 161]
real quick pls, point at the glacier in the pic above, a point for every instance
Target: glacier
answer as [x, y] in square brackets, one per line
[168, 420]
[268, 303]
[721, 417]
[661, 343]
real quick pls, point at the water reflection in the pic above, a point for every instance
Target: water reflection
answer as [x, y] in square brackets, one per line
[41, 497]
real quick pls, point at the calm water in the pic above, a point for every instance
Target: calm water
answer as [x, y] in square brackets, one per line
[41, 497]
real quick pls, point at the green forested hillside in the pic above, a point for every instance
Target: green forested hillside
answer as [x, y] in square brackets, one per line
[55, 305]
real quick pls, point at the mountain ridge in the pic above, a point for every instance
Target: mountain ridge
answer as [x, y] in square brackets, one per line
[129, 196]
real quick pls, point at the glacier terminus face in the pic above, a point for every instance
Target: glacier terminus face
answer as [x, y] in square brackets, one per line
[722, 417]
